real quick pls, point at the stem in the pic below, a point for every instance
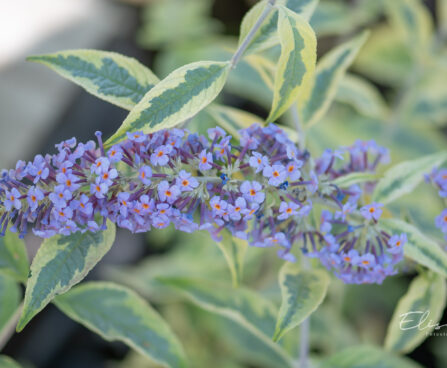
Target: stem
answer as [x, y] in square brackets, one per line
[298, 127]
[304, 343]
[10, 327]
[243, 46]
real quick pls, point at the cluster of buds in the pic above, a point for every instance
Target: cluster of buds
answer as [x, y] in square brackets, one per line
[438, 177]
[262, 189]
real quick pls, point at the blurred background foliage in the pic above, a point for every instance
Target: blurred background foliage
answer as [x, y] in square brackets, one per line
[395, 93]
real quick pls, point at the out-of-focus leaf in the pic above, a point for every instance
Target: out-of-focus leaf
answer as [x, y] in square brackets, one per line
[385, 58]
[411, 18]
[330, 70]
[13, 257]
[115, 78]
[302, 293]
[402, 178]
[232, 119]
[243, 306]
[178, 97]
[234, 250]
[296, 66]
[60, 263]
[419, 248]
[365, 356]
[423, 302]
[362, 96]
[192, 19]
[119, 314]
[346, 181]
[9, 299]
[7, 362]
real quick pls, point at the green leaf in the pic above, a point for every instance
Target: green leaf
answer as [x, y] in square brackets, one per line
[412, 19]
[234, 250]
[346, 181]
[7, 362]
[119, 314]
[178, 97]
[419, 248]
[266, 36]
[405, 177]
[9, 299]
[424, 301]
[302, 292]
[13, 257]
[60, 263]
[362, 96]
[232, 119]
[241, 305]
[365, 356]
[115, 78]
[296, 66]
[329, 72]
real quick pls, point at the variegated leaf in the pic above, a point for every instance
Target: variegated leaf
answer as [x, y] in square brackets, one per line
[405, 177]
[60, 263]
[266, 36]
[178, 97]
[243, 306]
[419, 248]
[234, 250]
[232, 119]
[302, 292]
[296, 66]
[366, 356]
[13, 257]
[119, 314]
[362, 96]
[115, 78]
[9, 299]
[424, 301]
[329, 72]
[412, 19]
[346, 181]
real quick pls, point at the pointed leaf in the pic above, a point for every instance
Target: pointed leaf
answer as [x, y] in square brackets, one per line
[366, 356]
[424, 301]
[119, 314]
[329, 72]
[243, 306]
[362, 96]
[302, 292]
[419, 248]
[234, 250]
[60, 263]
[405, 177]
[9, 299]
[346, 181]
[178, 97]
[115, 78]
[13, 257]
[296, 65]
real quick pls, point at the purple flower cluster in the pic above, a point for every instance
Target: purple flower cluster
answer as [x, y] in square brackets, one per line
[261, 189]
[438, 177]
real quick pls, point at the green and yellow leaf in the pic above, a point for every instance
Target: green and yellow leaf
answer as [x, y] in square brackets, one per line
[405, 177]
[346, 181]
[118, 79]
[13, 257]
[10, 295]
[329, 72]
[119, 314]
[60, 263]
[420, 248]
[362, 96]
[296, 66]
[178, 97]
[232, 119]
[234, 250]
[423, 302]
[366, 356]
[302, 292]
